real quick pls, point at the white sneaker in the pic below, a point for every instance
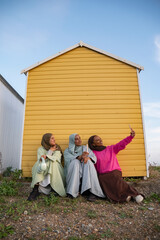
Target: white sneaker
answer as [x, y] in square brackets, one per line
[139, 198]
[128, 198]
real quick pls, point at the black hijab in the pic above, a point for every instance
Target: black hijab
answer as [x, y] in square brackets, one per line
[90, 144]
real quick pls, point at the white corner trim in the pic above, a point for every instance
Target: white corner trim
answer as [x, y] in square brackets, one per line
[21, 150]
[82, 44]
[144, 131]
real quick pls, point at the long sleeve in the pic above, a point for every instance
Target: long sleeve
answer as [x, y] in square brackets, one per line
[41, 151]
[122, 144]
[91, 154]
[56, 156]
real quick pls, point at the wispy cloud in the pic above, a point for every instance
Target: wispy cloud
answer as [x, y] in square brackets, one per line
[152, 109]
[157, 44]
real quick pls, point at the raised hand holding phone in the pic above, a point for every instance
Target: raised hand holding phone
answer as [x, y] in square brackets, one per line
[132, 133]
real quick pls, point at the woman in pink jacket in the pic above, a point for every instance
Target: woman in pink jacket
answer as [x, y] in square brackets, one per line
[109, 171]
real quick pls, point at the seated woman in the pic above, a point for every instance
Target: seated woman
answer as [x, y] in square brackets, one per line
[109, 171]
[80, 171]
[47, 172]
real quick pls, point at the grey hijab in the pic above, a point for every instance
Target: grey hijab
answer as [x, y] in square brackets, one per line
[73, 149]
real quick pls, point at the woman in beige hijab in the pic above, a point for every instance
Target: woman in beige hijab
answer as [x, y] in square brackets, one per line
[47, 172]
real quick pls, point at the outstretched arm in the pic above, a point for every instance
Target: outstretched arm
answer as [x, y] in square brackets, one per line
[122, 144]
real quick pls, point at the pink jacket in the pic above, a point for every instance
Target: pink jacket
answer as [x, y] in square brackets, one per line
[107, 159]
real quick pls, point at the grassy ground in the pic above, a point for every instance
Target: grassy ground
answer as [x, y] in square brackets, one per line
[63, 218]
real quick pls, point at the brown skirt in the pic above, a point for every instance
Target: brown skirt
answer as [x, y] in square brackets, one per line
[115, 188]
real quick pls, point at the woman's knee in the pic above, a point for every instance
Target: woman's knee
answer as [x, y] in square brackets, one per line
[75, 163]
[89, 163]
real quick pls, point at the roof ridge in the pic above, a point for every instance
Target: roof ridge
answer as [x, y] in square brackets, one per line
[82, 44]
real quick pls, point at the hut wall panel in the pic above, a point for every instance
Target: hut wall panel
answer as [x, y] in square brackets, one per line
[89, 93]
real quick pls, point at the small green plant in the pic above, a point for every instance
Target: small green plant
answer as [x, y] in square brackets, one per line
[56, 210]
[20, 206]
[131, 179]
[107, 234]
[7, 172]
[142, 208]
[16, 174]
[156, 196]
[35, 207]
[68, 209]
[5, 230]
[8, 188]
[156, 168]
[125, 215]
[113, 223]
[49, 229]
[51, 200]
[70, 205]
[157, 227]
[15, 218]
[10, 211]
[91, 214]
[91, 237]
[122, 215]
[152, 197]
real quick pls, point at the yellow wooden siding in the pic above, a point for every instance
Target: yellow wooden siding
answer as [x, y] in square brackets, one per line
[89, 93]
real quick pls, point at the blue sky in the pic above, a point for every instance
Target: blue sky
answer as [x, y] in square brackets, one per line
[33, 30]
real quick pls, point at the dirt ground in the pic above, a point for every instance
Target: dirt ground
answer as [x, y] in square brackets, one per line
[63, 218]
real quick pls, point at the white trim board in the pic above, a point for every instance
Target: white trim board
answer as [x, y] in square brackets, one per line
[82, 44]
[143, 124]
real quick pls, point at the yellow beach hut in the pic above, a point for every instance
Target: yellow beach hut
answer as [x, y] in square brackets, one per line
[87, 91]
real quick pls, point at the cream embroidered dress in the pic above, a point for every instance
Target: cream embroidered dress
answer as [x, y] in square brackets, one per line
[53, 174]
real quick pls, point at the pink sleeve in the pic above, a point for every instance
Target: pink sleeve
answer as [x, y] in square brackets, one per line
[122, 144]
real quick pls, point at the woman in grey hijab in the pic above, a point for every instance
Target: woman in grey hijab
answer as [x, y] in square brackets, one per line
[79, 169]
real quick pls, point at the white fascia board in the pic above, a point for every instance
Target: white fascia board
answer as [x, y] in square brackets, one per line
[82, 44]
[113, 56]
[49, 58]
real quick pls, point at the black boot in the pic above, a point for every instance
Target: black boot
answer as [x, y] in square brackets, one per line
[91, 198]
[69, 196]
[34, 194]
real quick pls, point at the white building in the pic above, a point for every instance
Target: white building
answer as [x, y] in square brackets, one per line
[11, 123]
